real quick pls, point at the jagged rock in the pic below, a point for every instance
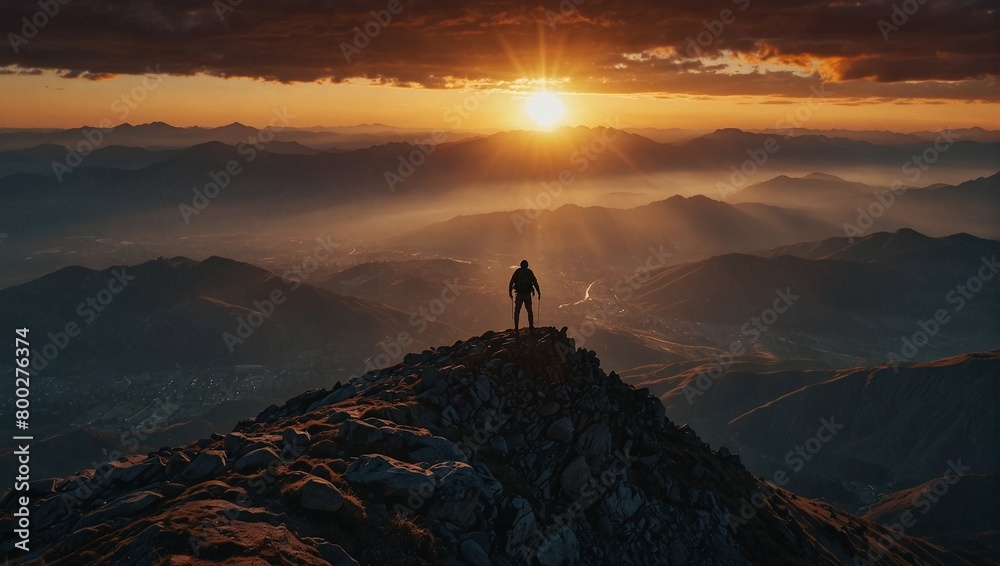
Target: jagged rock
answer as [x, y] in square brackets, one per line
[128, 507]
[298, 439]
[548, 408]
[320, 495]
[622, 502]
[595, 440]
[131, 474]
[434, 449]
[560, 547]
[522, 526]
[42, 487]
[359, 433]
[457, 493]
[561, 431]
[53, 509]
[574, 476]
[499, 444]
[450, 417]
[176, 464]
[335, 555]
[259, 458]
[393, 476]
[207, 465]
[474, 554]
[233, 442]
[79, 537]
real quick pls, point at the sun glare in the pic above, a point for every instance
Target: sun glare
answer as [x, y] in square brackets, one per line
[545, 108]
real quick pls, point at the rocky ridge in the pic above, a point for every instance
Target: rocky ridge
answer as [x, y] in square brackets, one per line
[501, 450]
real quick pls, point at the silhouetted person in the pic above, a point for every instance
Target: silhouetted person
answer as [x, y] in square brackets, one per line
[523, 281]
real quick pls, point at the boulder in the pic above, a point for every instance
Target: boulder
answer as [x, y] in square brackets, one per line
[296, 439]
[561, 431]
[391, 475]
[522, 526]
[457, 493]
[434, 449]
[335, 555]
[128, 507]
[574, 476]
[320, 495]
[360, 434]
[176, 464]
[560, 547]
[595, 440]
[473, 554]
[207, 465]
[255, 460]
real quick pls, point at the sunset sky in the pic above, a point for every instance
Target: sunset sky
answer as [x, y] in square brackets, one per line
[740, 63]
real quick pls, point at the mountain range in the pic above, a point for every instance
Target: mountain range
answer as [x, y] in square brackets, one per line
[215, 312]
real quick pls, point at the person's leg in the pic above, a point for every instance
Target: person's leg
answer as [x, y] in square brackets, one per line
[531, 312]
[518, 300]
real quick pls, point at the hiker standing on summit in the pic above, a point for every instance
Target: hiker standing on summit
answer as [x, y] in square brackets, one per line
[523, 281]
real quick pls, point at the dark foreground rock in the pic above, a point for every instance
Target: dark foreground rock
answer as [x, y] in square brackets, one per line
[492, 451]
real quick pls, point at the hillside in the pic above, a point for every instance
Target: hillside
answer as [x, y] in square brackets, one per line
[495, 450]
[213, 312]
[899, 428]
[843, 307]
[938, 209]
[951, 511]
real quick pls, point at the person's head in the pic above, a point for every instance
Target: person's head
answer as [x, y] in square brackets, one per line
[524, 263]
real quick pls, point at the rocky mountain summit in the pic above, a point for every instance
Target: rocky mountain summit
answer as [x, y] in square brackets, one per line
[501, 450]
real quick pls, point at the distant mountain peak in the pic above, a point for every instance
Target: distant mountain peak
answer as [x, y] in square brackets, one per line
[824, 177]
[235, 126]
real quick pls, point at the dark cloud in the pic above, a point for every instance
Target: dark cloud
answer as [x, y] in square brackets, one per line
[778, 47]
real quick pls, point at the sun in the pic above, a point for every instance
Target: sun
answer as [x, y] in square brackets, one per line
[545, 108]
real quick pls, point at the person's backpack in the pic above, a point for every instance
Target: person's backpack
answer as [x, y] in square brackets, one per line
[523, 282]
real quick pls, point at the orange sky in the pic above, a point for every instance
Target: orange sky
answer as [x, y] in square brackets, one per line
[48, 100]
[411, 63]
